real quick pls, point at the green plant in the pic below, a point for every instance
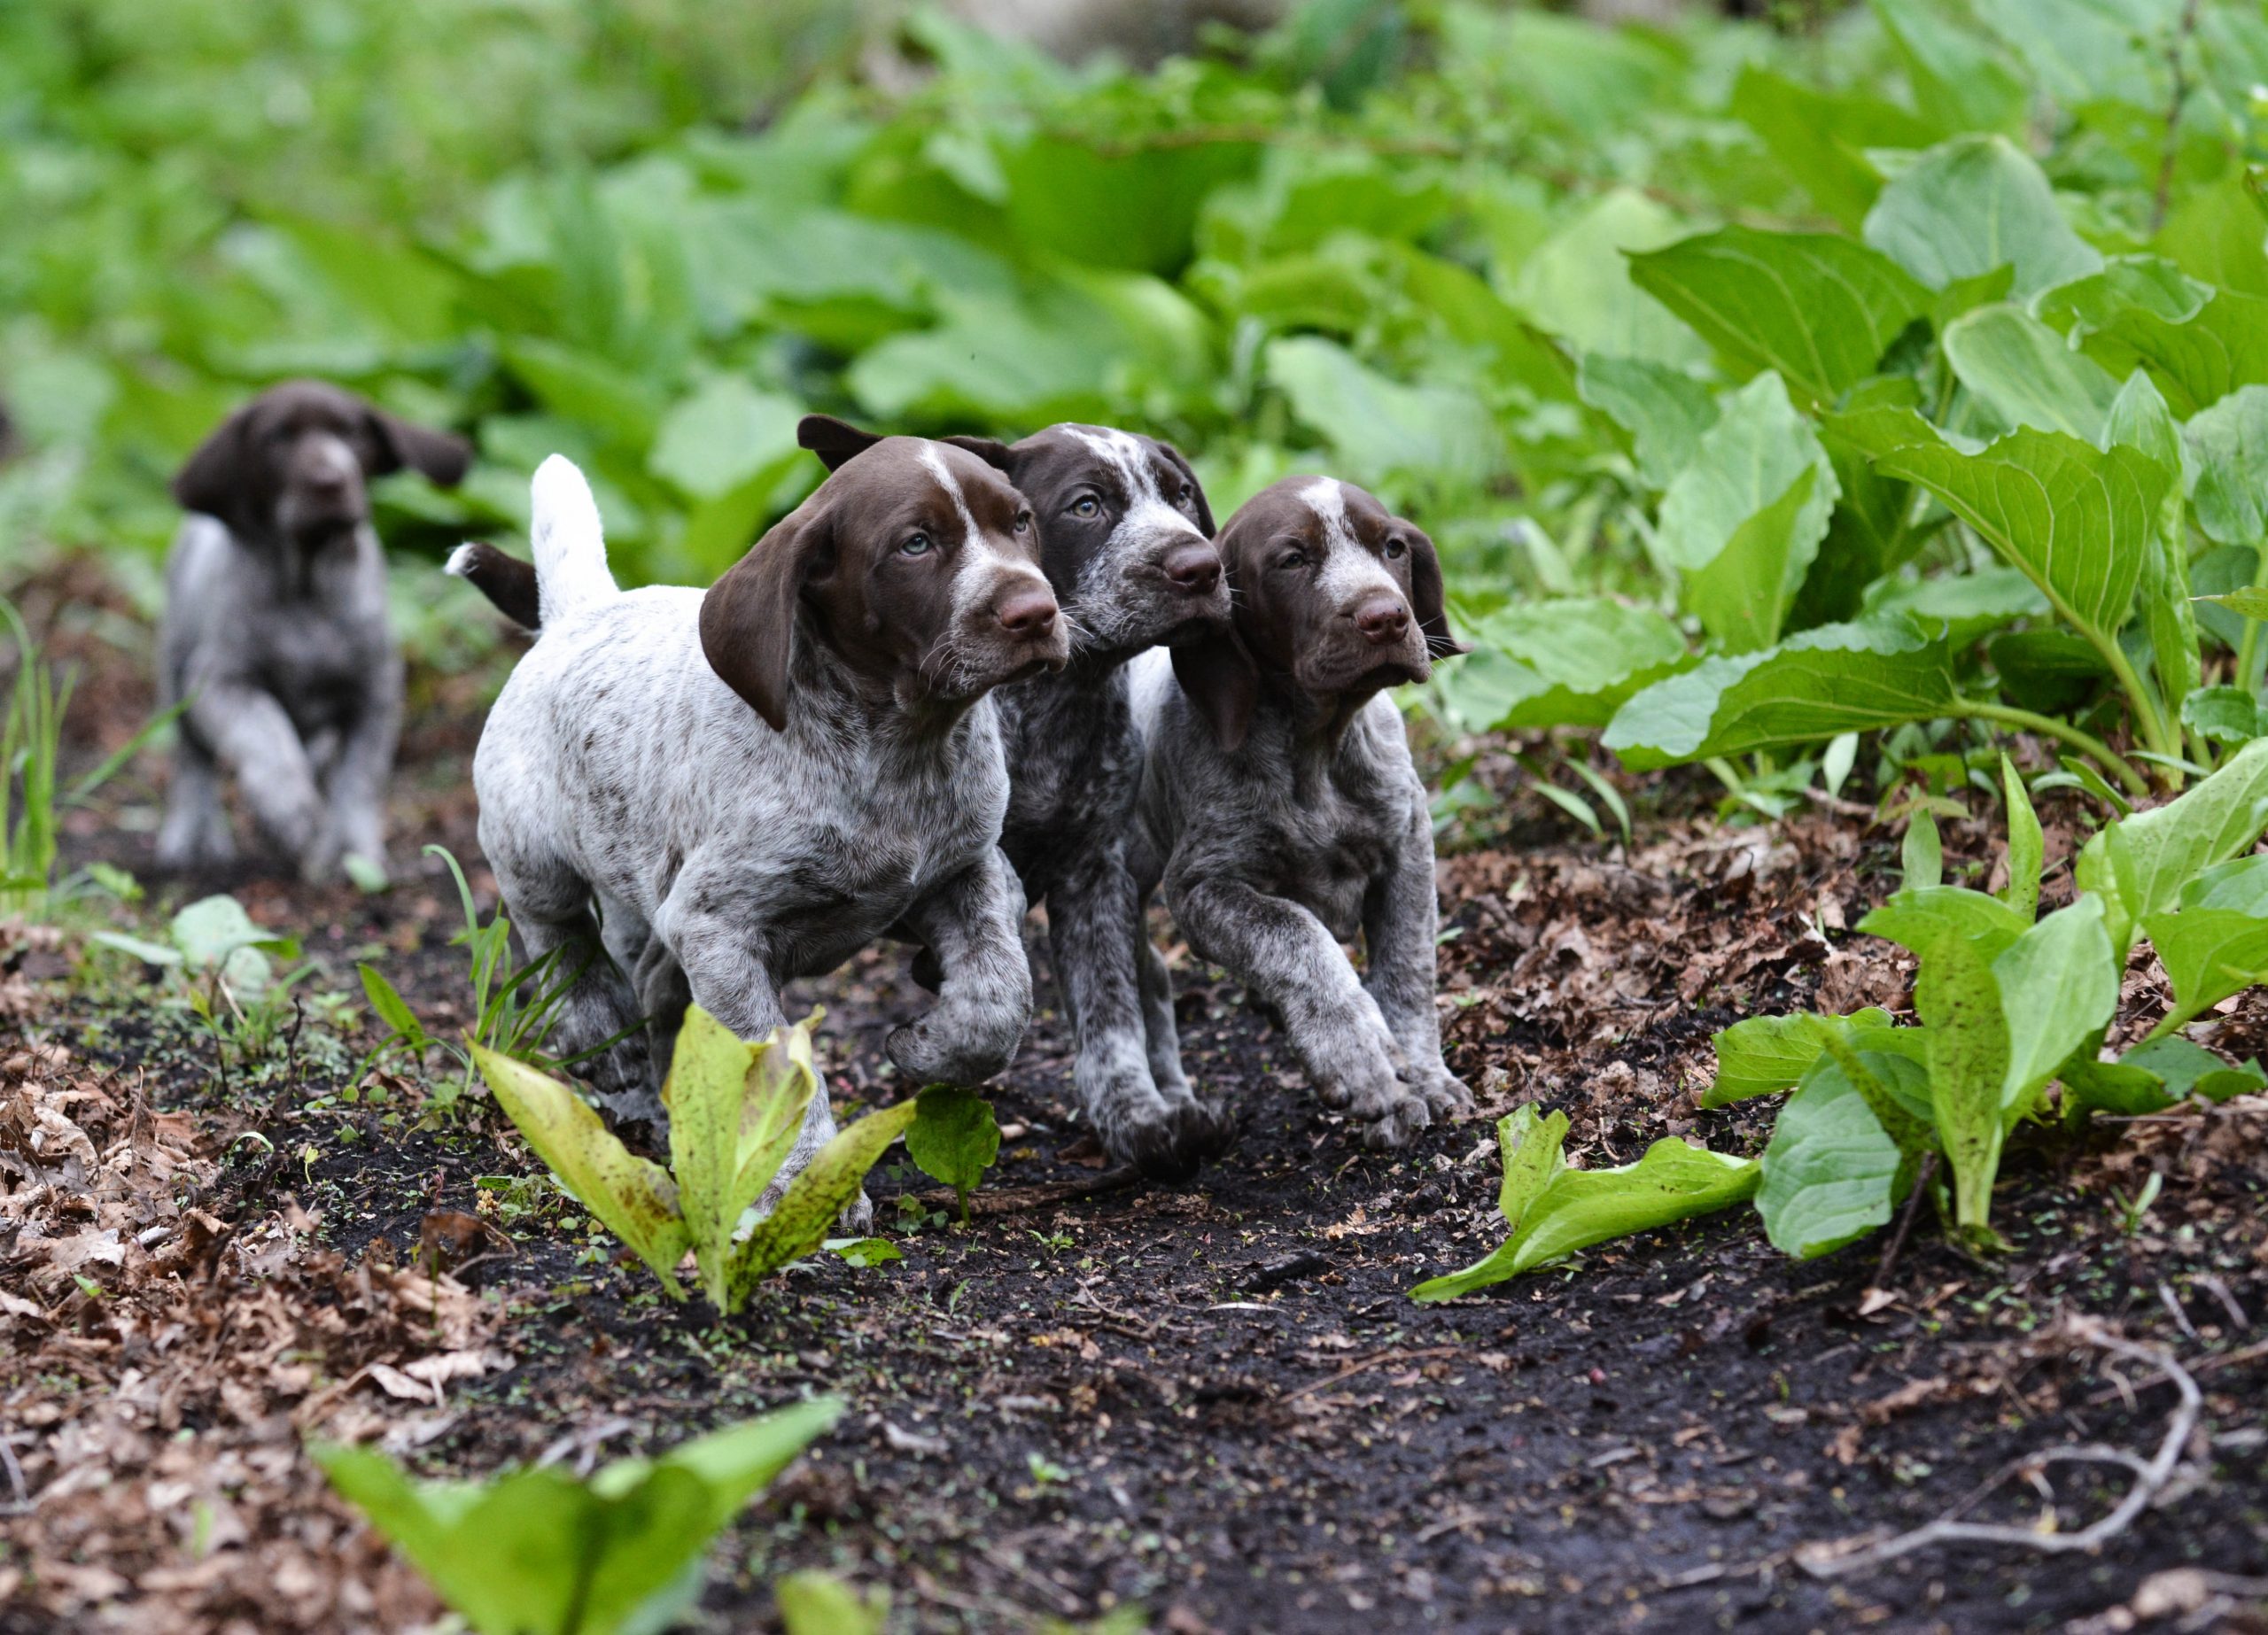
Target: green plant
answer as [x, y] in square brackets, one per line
[31, 745]
[1554, 1210]
[2011, 1003]
[735, 1110]
[954, 1140]
[540, 1552]
[228, 980]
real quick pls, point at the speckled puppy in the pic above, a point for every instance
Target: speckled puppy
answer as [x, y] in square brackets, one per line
[1279, 807]
[1124, 537]
[751, 783]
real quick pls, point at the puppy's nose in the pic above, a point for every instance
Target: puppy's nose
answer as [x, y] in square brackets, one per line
[327, 483]
[1026, 611]
[1382, 619]
[1193, 569]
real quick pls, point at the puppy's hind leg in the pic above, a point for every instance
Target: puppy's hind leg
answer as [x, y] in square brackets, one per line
[550, 908]
[195, 832]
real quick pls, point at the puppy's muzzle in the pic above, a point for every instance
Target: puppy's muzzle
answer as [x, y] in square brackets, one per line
[1192, 569]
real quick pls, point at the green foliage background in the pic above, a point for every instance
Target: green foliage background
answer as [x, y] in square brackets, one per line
[1611, 311]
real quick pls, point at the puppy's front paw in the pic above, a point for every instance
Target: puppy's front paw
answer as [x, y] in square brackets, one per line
[1172, 1149]
[857, 1220]
[943, 1049]
[1397, 1126]
[1362, 1076]
[1447, 1095]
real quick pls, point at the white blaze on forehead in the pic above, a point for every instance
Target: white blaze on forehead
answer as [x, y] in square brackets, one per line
[1148, 509]
[934, 457]
[981, 568]
[1349, 570]
[331, 451]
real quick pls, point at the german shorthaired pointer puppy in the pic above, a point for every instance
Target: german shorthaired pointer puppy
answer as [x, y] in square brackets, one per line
[749, 784]
[276, 630]
[1279, 806]
[1125, 535]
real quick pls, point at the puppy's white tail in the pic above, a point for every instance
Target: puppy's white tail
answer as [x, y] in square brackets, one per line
[570, 548]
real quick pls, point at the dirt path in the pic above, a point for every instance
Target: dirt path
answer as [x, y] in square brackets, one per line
[1213, 1403]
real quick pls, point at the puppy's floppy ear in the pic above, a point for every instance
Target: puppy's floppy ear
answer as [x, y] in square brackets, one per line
[748, 619]
[1217, 673]
[1204, 511]
[211, 480]
[439, 457]
[834, 440]
[1426, 599]
[991, 451]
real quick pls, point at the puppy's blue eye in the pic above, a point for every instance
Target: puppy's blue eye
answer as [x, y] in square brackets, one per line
[1085, 505]
[1023, 521]
[918, 545]
[1395, 547]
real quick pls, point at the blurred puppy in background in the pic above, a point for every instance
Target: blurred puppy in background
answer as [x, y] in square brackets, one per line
[1279, 806]
[276, 630]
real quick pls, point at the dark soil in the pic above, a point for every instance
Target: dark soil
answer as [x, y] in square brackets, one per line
[1216, 1404]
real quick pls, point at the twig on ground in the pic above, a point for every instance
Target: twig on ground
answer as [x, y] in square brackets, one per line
[1376, 1359]
[1835, 1561]
[22, 1504]
[1716, 1572]
[2207, 1364]
[1837, 804]
[1924, 1175]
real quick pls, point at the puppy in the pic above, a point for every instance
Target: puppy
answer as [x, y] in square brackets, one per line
[274, 627]
[1124, 536]
[1279, 807]
[749, 784]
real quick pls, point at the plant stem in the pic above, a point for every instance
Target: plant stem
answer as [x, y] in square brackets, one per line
[2248, 646]
[2047, 726]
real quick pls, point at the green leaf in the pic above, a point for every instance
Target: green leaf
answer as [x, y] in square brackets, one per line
[392, 1009]
[1970, 605]
[1959, 83]
[1743, 521]
[1970, 204]
[2027, 844]
[2226, 715]
[1578, 286]
[814, 1199]
[211, 929]
[1922, 854]
[724, 436]
[1665, 411]
[2162, 850]
[1557, 1211]
[953, 1139]
[735, 1110]
[1380, 427]
[816, 1603]
[1567, 662]
[2209, 954]
[2140, 420]
[1958, 999]
[2185, 1068]
[1819, 308]
[1529, 1148]
[142, 949]
[2075, 518]
[1836, 678]
[1769, 1053]
[2058, 983]
[2228, 446]
[2146, 283]
[632, 1198]
[1829, 1175]
[2198, 361]
[1916, 918]
[1819, 140]
[2022, 370]
[864, 1251]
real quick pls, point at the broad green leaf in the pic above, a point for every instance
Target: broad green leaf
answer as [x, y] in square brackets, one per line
[2216, 233]
[1566, 661]
[1578, 286]
[736, 1108]
[724, 436]
[953, 1138]
[1133, 209]
[2207, 954]
[1572, 1208]
[1829, 1175]
[2082, 51]
[142, 949]
[2185, 1068]
[1665, 411]
[1970, 605]
[1819, 139]
[2248, 601]
[799, 1224]
[1916, 918]
[1380, 427]
[392, 1009]
[1959, 81]
[1819, 308]
[1836, 678]
[864, 1251]
[211, 929]
[2027, 843]
[1921, 854]
[2075, 518]
[1970, 204]
[2224, 715]
[739, 1461]
[2022, 370]
[818, 1603]
[2058, 983]
[2228, 445]
[1958, 999]
[1769, 1053]
[2126, 283]
[1529, 1146]
[2198, 361]
[632, 1198]
[2162, 850]
[2140, 420]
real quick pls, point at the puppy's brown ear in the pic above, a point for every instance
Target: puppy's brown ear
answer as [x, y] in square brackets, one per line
[1204, 511]
[212, 479]
[1217, 673]
[748, 619]
[834, 440]
[1426, 599]
[441, 457]
[991, 451]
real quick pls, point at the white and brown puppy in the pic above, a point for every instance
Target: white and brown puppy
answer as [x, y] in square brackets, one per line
[276, 630]
[1125, 538]
[746, 784]
[1279, 806]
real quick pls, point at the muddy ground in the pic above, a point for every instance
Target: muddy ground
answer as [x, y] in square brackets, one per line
[1204, 1408]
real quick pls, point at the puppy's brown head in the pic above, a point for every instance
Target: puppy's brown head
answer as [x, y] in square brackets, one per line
[292, 464]
[920, 567]
[1332, 593]
[1124, 530]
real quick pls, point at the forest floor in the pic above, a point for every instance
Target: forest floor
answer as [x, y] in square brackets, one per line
[1206, 1407]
